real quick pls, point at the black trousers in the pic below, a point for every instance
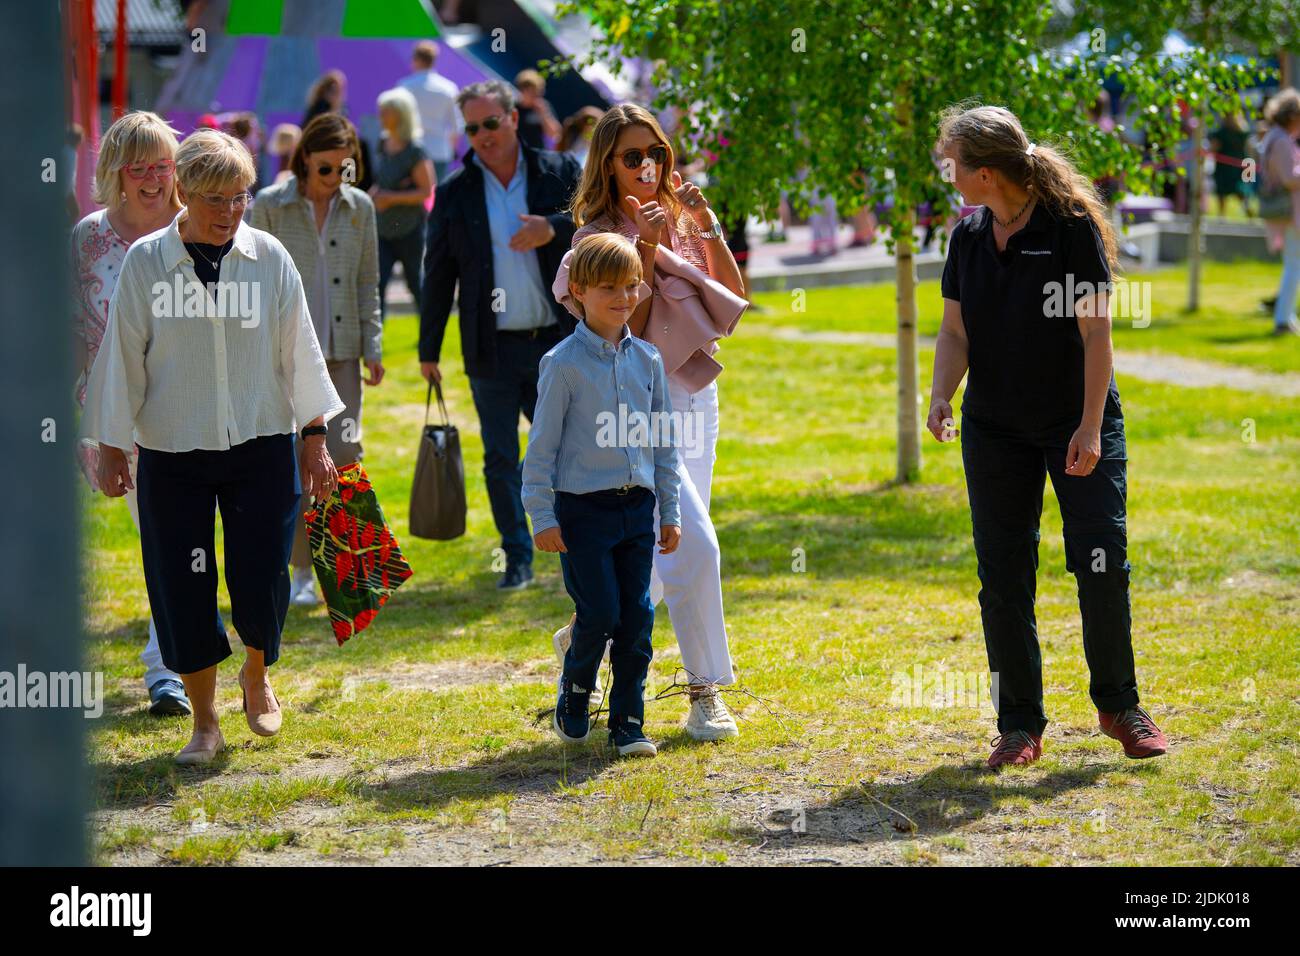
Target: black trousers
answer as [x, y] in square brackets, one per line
[409, 251]
[1005, 472]
[610, 542]
[256, 486]
[500, 399]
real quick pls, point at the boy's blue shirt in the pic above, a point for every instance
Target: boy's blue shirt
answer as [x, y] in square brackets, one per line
[581, 441]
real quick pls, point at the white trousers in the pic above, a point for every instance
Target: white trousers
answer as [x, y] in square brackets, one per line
[690, 579]
[154, 669]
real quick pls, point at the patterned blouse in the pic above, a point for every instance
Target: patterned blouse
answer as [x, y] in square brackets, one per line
[97, 254]
[684, 240]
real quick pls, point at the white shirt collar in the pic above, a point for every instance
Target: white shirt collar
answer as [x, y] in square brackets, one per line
[173, 247]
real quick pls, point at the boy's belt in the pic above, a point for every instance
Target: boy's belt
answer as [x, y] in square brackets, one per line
[621, 491]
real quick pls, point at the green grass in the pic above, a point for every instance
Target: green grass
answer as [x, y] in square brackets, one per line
[1229, 328]
[419, 739]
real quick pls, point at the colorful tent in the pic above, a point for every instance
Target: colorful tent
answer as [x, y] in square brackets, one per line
[284, 45]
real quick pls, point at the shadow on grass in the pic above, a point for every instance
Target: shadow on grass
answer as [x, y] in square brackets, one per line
[537, 769]
[940, 802]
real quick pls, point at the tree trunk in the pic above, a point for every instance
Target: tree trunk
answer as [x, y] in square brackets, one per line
[909, 395]
[1195, 184]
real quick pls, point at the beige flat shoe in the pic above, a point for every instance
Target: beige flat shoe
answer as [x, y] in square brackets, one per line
[264, 725]
[195, 758]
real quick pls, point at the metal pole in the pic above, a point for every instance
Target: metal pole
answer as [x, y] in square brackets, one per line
[43, 772]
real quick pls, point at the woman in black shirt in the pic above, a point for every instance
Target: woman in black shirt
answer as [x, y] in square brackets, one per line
[1026, 312]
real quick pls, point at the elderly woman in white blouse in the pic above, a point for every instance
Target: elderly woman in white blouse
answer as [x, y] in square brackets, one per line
[208, 365]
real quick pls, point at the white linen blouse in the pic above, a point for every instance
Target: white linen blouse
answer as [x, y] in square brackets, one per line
[172, 380]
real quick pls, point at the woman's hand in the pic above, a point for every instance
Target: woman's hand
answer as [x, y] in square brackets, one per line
[550, 540]
[693, 201]
[940, 421]
[316, 468]
[670, 536]
[374, 371]
[1084, 451]
[380, 198]
[650, 219]
[114, 471]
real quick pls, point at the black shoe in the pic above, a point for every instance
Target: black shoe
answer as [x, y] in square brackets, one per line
[167, 699]
[516, 578]
[570, 721]
[626, 736]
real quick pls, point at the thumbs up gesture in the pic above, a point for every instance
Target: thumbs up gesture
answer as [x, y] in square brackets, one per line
[649, 217]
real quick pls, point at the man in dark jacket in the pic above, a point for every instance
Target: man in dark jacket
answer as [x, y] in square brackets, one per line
[499, 228]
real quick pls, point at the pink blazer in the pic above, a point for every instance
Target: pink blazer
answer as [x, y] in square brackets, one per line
[691, 311]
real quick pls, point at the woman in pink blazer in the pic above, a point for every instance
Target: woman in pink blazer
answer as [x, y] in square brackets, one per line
[629, 186]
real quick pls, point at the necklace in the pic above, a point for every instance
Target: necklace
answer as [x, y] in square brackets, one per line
[216, 266]
[1004, 225]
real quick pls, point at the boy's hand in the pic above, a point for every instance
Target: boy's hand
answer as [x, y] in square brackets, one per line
[550, 540]
[670, 536]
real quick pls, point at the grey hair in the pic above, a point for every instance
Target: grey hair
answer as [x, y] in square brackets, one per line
[495, 89]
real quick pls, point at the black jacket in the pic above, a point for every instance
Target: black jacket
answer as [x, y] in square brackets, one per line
[458, 248]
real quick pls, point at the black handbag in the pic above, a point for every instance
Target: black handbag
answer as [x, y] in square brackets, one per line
[438, 491]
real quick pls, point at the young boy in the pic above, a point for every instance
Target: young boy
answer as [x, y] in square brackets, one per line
[591, 479]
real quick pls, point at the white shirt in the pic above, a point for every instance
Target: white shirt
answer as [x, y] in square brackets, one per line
[176, 381]
[436, 97]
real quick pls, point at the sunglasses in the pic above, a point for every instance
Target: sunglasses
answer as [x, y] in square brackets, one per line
[163, 169]
[489, 124]
[633, 158]
[325, 169]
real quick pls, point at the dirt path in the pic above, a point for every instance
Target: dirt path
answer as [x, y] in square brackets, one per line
[1148, 366]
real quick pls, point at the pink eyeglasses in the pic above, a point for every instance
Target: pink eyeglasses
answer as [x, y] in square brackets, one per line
[163, 169]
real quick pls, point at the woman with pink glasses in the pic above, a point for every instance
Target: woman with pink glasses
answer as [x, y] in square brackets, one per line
[135, 181]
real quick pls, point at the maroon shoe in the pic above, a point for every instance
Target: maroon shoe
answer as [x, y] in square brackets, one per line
[1135, 729]
[1015, 747]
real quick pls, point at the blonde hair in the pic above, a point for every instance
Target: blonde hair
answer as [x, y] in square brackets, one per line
[603, 257]
[210, 161]
[992, 137]
[138, 137]
[402, 102]
[597, 194]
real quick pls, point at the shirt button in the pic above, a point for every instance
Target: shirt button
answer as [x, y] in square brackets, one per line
[336, 280]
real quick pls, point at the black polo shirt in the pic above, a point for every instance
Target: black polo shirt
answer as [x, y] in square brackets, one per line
[1026, 354]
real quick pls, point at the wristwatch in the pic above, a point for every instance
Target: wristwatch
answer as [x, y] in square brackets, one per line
[715, 228]
[309, 430]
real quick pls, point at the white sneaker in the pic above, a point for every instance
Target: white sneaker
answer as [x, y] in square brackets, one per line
[560, 640]
[709, 718]
[302, 591]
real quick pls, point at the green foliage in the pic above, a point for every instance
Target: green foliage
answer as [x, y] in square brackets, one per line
[848, 90]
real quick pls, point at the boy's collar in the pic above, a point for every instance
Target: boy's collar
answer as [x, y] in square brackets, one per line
[597, 342]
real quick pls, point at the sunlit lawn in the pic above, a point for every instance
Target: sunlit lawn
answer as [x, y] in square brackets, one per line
[418, 740]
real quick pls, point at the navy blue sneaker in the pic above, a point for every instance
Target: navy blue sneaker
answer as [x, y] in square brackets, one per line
[626, 736]
[167, 699]
[516, 578]
[570, 721]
